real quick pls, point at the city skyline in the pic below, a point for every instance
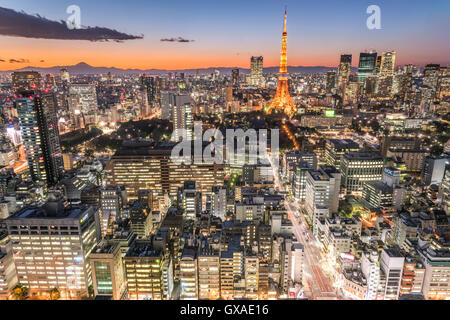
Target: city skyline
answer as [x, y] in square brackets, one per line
[204, 35]
[208, 160]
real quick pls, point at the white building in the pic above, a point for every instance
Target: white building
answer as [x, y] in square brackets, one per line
[371, 271]
[219, 202]
[51, 245]
[392, 263]
[322, 189]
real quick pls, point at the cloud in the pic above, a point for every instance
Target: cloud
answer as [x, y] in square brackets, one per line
[21, 24]
[179, 39]
[19, 60]
[42, 60]
[1, 60]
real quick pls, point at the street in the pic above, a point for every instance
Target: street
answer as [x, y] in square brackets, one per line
[315, 278]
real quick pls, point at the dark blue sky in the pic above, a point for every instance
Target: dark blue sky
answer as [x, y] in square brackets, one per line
[227, 33]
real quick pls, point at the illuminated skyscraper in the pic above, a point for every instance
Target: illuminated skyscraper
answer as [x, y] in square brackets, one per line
[37, 115]
[283, 100]
[345, 66]
[330, 80]
[367, 65]
[182, 121]
[358, 168]
[191, 200]
[170, 99]
[256, 71]
[431, 75]
[150, 85]
[235, 77]
[387, 64]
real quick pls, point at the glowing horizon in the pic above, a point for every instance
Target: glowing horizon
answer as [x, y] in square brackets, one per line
[318, 36]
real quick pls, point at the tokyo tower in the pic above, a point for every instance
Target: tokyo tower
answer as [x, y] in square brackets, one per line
[283, 100]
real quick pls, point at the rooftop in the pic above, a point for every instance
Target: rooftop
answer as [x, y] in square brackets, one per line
[39, 212]
[105, 247]
[142, 250]
[344, 144]
[365, 156]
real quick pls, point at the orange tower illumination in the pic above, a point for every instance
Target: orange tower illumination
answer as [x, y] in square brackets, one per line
[283, 100]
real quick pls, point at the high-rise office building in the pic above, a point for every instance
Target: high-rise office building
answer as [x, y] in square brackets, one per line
[299, 182]
[208, 267]
[335, 149]
[392, 262]
[219, 202]
[108, 276]
[378, 194]
[140, 220]
[300, 156]
[169, 100]
[358, 168]
[297, 159]
[330, 80]
[434, 169]
[371, 270]
[292, 259]
[437, 276]
[182, 122]
[8, 273]
[112, 199]
[144, 272]
[367, 65]
[235, 77]
[37, 115]
[431, 75]
[387, 66]
[351, 92]
[191, 200]
[256, 71]
[322, 190]
[167, 103]
[145, 165]
[345, 66]
[51, 246]
[82, 98]
[150, 86]
[188, 274]
[231, 268]
[251, 270]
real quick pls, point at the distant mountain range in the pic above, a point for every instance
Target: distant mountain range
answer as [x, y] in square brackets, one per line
[84, 68]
